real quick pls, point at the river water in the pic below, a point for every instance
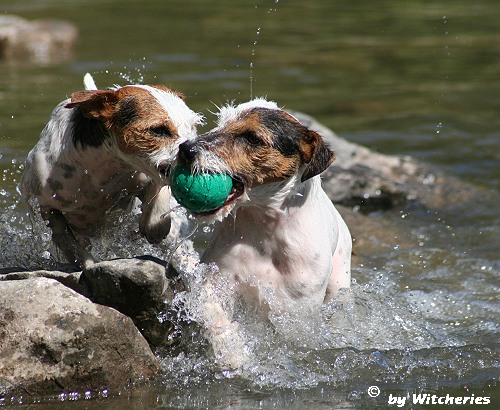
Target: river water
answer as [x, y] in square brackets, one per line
[408, 78]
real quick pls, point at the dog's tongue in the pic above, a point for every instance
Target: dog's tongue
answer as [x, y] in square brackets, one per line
[236, 192]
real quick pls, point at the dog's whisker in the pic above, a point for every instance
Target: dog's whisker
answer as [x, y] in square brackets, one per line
[218, 107]
[151, 200]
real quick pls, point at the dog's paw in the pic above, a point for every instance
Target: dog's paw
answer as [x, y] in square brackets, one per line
[229, 348]
[155, 232]
[156, 219]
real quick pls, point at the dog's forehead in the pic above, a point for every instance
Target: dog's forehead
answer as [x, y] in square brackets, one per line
[178, 112]
[231, 112]
[267, 111]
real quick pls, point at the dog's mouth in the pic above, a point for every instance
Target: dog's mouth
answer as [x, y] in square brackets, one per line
[164, 168]
[236, 192]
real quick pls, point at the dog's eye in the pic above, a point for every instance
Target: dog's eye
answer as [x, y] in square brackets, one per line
[161, 131]
[251, 137]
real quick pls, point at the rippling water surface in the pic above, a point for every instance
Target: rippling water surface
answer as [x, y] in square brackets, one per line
[418, 79]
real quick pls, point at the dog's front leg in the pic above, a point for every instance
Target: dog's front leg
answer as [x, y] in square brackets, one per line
[65, 240]
[223, 335]
[156, 219]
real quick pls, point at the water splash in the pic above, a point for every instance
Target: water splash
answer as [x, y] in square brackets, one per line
[378, 330]
[255, 42]
[133, 75]
[251, 63]
[369, 329]
[439, 127]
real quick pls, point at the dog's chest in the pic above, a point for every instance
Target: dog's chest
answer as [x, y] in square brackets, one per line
[269, 255]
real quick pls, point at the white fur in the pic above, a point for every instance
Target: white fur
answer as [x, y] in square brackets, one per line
[295, 247]
[231, 111]
[88, 82]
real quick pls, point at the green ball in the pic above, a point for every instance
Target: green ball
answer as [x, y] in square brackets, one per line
[200, 192]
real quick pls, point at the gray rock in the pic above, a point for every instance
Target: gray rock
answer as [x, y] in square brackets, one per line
[69, 279]
[40, 41]
[139, 288]
[373, 181]
[54, 339]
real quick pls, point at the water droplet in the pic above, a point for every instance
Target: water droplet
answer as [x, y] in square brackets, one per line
[439, 126]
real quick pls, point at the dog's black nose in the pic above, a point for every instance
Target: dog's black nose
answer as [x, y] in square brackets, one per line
[187, 151]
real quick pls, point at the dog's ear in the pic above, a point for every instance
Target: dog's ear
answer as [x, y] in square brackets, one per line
[95, 104]
[315, 154]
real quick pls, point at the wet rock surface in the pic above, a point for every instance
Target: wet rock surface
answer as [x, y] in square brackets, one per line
[97, 329]
[81, 331]
[139, 288]
[360, 177]
[54, 339]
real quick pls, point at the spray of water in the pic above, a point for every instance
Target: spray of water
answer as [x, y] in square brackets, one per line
[133, 74]
[255, 42]
[372, 331]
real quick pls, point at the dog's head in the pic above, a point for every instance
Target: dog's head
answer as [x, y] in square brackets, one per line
[267, 152]
[143, 124]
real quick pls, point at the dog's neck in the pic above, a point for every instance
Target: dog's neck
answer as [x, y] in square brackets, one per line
[304, 191]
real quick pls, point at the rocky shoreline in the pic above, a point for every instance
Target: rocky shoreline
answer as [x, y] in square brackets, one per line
[99, 328]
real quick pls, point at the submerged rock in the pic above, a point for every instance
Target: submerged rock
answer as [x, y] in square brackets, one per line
[40, 41]
[54, 339]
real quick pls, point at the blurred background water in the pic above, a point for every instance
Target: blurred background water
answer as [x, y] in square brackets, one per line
[416, 77]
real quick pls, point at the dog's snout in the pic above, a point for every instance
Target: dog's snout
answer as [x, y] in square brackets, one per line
[187, 151]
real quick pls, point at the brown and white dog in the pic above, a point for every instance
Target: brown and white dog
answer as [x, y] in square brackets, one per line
[99, 150]
[285, 238]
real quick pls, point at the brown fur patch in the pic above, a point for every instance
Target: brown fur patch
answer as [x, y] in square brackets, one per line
[259, 165]
[138, 139]
[96, 105]
[254, 159]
